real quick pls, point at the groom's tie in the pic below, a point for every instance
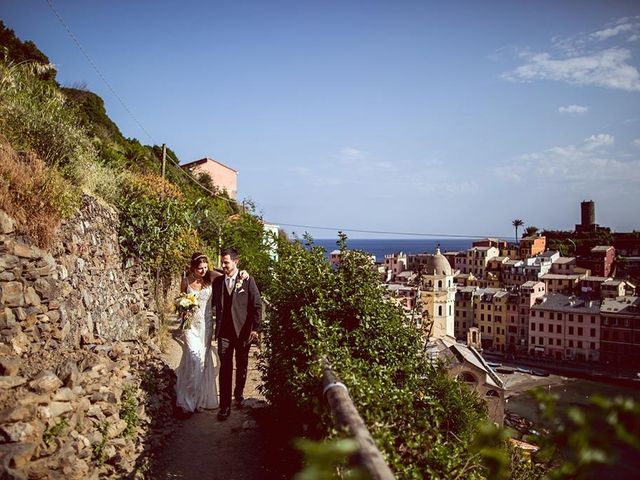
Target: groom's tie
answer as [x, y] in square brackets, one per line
[229, 285]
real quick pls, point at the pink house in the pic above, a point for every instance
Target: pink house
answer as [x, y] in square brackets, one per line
[224, 178]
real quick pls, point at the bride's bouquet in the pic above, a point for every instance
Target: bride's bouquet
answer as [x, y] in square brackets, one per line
[186, 304]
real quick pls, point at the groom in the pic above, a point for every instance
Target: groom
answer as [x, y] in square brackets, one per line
[238, 315]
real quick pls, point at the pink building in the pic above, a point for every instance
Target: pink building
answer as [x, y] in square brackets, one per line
[565, 328]
[225, 178]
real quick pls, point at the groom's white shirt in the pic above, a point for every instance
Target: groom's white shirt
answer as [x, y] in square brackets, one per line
[230, 282]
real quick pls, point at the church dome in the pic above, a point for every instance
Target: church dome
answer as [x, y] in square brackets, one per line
[437, 264]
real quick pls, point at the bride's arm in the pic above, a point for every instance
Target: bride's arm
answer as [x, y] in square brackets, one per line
[183, 285]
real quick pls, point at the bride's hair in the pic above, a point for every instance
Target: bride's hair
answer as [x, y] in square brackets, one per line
[197, 258]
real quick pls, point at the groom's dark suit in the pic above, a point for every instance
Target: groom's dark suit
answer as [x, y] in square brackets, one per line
[238, 313]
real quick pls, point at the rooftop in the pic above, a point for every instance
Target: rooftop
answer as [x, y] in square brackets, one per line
[565, 260]
[622, 305]
[205, 160]
[571, 304]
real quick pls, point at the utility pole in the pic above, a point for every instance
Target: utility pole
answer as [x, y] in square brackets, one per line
[164, 158]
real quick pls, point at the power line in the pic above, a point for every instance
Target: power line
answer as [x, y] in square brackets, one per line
[122, 102]
[382, 232]
[95, 67]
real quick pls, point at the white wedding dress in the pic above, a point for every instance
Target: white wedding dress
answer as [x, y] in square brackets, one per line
[196, 374]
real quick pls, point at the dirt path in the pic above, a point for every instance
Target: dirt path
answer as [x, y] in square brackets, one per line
[201, 447]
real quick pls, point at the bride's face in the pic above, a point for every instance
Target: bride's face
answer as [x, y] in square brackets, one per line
[201, 270]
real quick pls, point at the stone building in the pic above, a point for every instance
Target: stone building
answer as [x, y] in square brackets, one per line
[466, 364]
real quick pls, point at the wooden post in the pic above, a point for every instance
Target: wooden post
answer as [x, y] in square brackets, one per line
[164, 158]
[345, 416]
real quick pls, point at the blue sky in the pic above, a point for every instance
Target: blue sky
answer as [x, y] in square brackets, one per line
[427, 117]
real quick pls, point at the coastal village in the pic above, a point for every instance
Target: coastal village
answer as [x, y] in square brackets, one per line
[522, 302]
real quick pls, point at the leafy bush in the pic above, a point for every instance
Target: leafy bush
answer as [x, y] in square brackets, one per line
[155, 225]
[422, 420]
[34, 117]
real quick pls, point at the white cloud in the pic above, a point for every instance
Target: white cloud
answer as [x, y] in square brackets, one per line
[601, 58]
[597, 141]
[350, 154]
[573, 110]
[628, 26]
[607, 68]
[591, 166]
[447, 187]
[636, 142]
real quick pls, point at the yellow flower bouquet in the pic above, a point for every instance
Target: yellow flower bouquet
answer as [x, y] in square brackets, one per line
[186, 304]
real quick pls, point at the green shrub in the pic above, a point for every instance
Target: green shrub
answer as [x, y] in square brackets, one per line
[34, 117]
[422, 421]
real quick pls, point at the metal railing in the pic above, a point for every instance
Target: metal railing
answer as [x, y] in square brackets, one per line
[346, 417]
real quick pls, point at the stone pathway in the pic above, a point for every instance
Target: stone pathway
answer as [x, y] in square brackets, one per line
[201, 447]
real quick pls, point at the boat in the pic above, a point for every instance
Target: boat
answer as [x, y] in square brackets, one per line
[539, 373]
[494, 364]
[524, 370]
[503, 369]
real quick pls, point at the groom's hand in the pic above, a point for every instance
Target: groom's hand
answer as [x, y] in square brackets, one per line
[253, 337]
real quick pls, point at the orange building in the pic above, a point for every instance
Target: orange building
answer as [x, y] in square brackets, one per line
[533, 245]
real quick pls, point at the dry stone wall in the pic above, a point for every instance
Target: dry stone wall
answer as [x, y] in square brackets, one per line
[82, 387]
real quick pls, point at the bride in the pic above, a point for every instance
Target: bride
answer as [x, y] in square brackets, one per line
[196, 375]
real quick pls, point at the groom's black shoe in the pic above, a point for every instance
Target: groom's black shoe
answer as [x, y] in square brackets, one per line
[224, 413]
[239, 402]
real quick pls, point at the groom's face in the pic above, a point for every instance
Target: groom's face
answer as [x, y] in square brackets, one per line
[229, 265]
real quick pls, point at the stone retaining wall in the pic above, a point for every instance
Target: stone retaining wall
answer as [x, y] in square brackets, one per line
[81, 383]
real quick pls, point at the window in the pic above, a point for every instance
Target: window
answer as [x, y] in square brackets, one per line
[593, 332]
[559, 316]
[559, 328]
[579, 330]
[579, 344]
[571, 343]
[481, 328]
[533, 326]
[533, 340]
[558, 342]
[551, 316]
[593, 319]
[550, 341]
[579, 318]
[571, 317]
[482, 316]
[489, 329]
[439, 309]
[540, 340]
[593, 346]
[570, 330]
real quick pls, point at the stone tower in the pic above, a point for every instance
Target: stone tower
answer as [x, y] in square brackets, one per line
[438, 294]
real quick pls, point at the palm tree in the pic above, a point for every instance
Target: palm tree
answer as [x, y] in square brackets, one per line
[517, 223]
[531, 230]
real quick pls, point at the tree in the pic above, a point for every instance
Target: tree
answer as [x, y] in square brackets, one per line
[531, 230]
[517, 223]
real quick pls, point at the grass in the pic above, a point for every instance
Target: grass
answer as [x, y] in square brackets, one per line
[35, 195]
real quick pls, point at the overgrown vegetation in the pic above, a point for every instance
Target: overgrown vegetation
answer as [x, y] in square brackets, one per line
[423, 421]
[66, 144]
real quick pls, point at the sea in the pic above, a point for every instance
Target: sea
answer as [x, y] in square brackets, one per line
[387, 246]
